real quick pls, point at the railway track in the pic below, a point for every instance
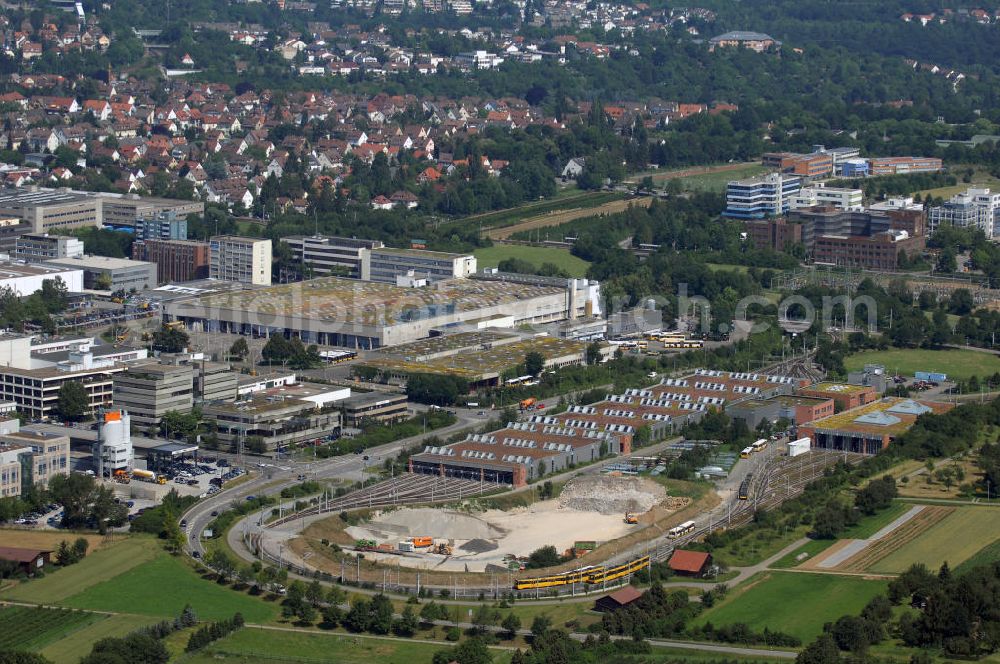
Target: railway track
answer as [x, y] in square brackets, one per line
[771, 486]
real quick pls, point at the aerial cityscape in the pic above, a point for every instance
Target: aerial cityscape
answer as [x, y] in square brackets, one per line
[499, 332]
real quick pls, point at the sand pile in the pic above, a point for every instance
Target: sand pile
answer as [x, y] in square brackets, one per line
[612, 495]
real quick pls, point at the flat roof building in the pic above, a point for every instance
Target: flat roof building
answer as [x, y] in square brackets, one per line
[761, 197]
[48, 209]
[39, 247]
[111, 274]
[386, 264]
[334, 311]
[266, 423]
[844, 395]
[27, 279]
[49, 455]
[150, 390]
[871, 428]
[246, 260]
[175, 260]
[374, 407]
[322, 256]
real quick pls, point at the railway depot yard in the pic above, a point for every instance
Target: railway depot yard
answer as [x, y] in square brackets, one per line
[589, 509]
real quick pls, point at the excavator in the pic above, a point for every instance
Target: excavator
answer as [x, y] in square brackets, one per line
[631, 519]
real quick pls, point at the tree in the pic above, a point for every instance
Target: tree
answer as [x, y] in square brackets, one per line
[407, 624]
[381, 615]
[74, 402]
[85, 502]
[358, 618]
[170, 340]
[821, 651]
[472, 651]
[540, 626]
[534, 362]
[172, 534]
[946, 261]
[276, 350]
[240, 349]
[511, 623]
[593, 353]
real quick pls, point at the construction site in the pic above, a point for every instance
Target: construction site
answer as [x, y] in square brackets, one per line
[590, 511]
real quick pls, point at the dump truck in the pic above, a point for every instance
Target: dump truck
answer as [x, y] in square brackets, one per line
[528, 403]
[422, 542]
[631, 518]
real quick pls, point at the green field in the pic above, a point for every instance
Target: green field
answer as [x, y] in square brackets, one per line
[987, 555]
[870, 525]
[97, 567]
[955, 363]
[31, 628]
[162, 587]
[795, 603]
[957, 537]
[717, 182]
[812, 547]
[561, 258]
[256, 645]
[68, 650]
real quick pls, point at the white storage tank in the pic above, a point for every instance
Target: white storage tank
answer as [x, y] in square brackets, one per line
[797, 447]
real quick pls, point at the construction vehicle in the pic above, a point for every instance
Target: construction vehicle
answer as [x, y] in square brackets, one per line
[631, 518]
[442, 549]
[160, 479]
[528, 403]
[422, 542]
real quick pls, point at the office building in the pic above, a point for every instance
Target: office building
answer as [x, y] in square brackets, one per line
[48, 209]
[387, 264]
[33, 370]
[42, 455]
[374, 408]
[879, 251]
[819, 195]
[901, 165]
[845, 395]
[175, 260]
[165, 225]
[243, 259]
[110, 274]
[38, 247]
[334, 311]
[264, 423]
[10, 468]
[11, 228]
[814, 165]
[478, 60]
[973, 208]
[761, 197]
[27, 279]
[150, 390]
[322, 256]
[124, 211]
[853, 168]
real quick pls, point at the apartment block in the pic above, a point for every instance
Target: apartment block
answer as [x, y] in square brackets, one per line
[165, 225]
[761, 197]
[149, 391]
[243, 259]
[38, 247]
[340, 256]
[175, 260]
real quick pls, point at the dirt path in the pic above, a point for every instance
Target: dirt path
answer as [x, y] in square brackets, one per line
[564, 216]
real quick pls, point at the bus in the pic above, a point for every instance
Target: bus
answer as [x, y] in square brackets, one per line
[683, 529]
[520, 380]
[642, 345]
[759, 445]
[684, 343]
[746, 452]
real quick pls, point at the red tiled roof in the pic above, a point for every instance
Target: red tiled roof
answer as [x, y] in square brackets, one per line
[688, 561]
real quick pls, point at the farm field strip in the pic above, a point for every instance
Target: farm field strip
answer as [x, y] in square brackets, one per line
[905, 533]
[564, 216]
[30, 628]
[954, 539]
